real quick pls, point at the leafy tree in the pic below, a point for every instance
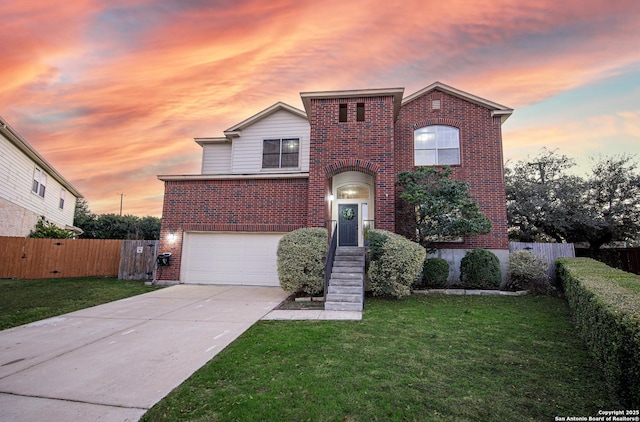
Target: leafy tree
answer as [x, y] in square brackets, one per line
[47, 230]
[541, 198]
[149, 227]
[444, 208]
[612, 202]
[545, 203]
[113, 226]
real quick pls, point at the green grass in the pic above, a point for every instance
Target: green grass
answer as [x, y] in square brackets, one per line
[25, 301]
[440, 358]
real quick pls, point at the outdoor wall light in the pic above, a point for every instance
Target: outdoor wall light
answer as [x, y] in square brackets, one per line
[330, 198]
[171, 237]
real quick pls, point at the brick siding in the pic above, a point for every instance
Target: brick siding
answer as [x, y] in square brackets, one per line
[481, 160]
[376, 146]
[365, 146]
[243, 205]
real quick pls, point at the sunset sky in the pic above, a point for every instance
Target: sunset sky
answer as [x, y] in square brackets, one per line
[112, 92]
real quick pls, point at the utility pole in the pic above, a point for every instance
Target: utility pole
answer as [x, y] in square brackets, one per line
[121, 195]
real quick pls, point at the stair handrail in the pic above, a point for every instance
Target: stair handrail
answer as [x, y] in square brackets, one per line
[331, 254]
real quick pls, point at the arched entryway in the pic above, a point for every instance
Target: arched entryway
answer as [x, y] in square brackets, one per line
[353, 207]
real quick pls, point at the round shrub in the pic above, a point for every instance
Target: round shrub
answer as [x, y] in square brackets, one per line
[435, 273]
[528, 272]
[480, 269]
[301, 257]
[395, 263]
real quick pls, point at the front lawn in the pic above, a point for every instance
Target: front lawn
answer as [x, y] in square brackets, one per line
[442, 358]
[25, 301]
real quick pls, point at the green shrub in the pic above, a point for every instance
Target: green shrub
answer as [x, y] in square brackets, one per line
[395, 263]
[528, 272]
[301, 257]
[605, 304]
[480, 269]
[435, 273]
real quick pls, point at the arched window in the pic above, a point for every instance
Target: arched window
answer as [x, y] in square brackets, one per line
[436, 145]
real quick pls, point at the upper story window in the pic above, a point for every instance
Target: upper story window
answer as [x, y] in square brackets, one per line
[39, 182]
[280, 153]
[360, 112]
[342, 116]
[436, 145]
[63, 194]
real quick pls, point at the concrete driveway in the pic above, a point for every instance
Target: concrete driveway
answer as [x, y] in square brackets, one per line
[113, 362]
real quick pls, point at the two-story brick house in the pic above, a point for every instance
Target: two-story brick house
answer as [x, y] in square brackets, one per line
[334, 164]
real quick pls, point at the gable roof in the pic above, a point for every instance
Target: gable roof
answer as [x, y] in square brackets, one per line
[396, 93]
[496, 109]
[234, 131]
[9, 133]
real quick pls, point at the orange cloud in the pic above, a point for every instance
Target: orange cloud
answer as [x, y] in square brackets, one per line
[112, 93]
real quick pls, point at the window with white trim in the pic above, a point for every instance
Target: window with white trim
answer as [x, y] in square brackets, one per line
[39, 182]
[63, 194]
[280, 153]
[436, 145]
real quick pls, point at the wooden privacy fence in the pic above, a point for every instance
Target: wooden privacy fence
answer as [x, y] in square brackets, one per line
[137, 259]
[626, 259]
[28, 258]
[547, 252]
[22, 257]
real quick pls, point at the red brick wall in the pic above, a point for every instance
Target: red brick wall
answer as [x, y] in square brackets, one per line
[363, 146]
[481, 160]
[259, 205]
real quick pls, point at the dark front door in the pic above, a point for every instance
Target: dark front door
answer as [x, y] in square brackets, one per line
[348, 225]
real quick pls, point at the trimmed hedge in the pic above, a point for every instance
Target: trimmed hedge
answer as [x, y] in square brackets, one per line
[395, 263]
[435, 273]
[301, 257]
[480, 269]
[605, 303]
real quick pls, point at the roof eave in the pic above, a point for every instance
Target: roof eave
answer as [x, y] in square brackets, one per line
[206, 141]
[29, 151]
[236, 130]
[495, 107]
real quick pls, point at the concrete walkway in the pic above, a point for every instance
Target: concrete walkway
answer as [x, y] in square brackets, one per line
[113, 362]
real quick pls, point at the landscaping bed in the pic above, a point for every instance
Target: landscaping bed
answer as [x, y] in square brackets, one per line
[433, 357]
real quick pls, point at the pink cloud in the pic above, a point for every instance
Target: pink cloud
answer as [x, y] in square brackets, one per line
[113, 92]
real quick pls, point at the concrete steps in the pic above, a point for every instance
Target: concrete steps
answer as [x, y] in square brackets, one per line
[346, 286]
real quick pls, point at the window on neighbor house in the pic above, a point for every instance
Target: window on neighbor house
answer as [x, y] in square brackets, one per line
[39, 182]
[436, 145]
[343, 113]
[280, 153]
[63, 194]
[360, 112]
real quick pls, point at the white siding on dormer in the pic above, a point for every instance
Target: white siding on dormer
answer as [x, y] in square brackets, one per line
[21, 205]
[247, 149]
[216, 158]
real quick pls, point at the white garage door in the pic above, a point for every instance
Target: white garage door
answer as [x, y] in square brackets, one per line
[230, 258]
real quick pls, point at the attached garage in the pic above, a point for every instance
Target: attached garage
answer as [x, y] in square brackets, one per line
[230, 258]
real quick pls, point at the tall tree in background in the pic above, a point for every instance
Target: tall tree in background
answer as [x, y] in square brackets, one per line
[113, 226]
[612, 201]
[545, 203]
[444, 208]
[541, 198]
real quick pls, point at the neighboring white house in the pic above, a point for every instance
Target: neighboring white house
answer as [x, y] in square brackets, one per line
[30, 187]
